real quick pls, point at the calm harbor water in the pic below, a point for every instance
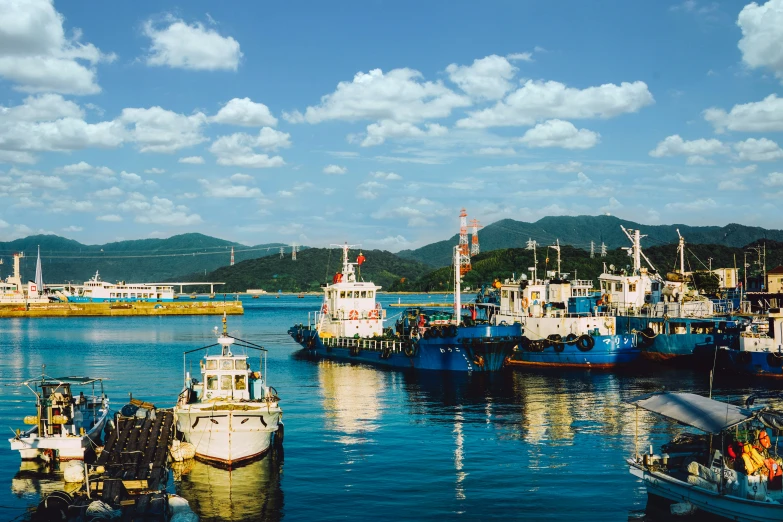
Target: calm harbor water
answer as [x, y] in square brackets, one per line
[363, 442]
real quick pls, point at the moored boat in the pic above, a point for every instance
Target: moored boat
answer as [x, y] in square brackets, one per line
[760, 350]
[232, 415]
[350, 327]
[64, 426]
[732, 471]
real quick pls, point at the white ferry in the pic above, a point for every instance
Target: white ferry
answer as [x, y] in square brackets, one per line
[12, 291]
[97, 291]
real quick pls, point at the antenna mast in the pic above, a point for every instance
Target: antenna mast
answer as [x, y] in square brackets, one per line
[531, 245]
[464, 250]
[474, 245]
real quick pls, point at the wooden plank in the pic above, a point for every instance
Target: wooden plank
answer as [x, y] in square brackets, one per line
[135, 484]
[126, 431]
[152, 441]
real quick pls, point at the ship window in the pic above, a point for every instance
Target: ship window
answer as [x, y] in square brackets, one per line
[618, 287]
[369, 292]
[632, 287]
[212, 382]
[363, 294]
[239, 382]
[703, 328]
[211, 364]
[356, 294]
[678, 328]
[225, 382]
[125, 295]
[654, 287]
[504, 293]
[240, 364]
[535, 295]
[342, 294]
[226, 364]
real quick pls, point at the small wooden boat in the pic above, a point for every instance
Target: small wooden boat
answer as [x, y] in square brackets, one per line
[732, 471]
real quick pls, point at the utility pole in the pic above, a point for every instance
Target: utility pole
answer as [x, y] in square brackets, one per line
[282, 252]
[709, 260]
[745, 272]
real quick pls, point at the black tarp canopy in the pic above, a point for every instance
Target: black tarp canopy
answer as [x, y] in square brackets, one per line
[705, 414]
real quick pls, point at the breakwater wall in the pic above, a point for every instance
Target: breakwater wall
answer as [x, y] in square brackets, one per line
[121, 309]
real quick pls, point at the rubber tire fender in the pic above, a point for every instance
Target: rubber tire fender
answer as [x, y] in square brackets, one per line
[571, 338]
[451, 330]
[774, 361]
[585, 343]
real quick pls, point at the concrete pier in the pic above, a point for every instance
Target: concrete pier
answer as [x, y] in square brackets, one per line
[121, 309]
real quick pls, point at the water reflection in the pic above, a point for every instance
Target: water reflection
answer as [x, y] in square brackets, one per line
[35, 479]
[250, 492]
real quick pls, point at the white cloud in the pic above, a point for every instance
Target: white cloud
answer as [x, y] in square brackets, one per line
[731, 185]
[160, 130]
[571, 166]
[398, 95]
[559, 133]
[155, 170]
[763, 116]
[192, 160]
[43, 107]
[388, 176]
[73, 228]
[774, 179]
[522, 57]
[538, 100]
[160, 211]
[37, 56]
[698, 160]
[750, 169]
[693, 205]
[240, 178]
[70, 205]
[111, 218]
[13, 156]
[238, 149]
[246, 113]
[184, 46]
[496, 151]
[369, 189]
[335, 169]
[109, 193]
[85, 168]
[487, 78]
[758, 150]
[285, 193]
[59, 135]
[377, 133]
[220, 189]
[130, 177]
[675, 146]
[682, 178]
[762, 36]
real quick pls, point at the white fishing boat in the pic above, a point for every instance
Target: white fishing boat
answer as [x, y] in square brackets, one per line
[231, 415]
[732, 471]
[65, 425]
[13, 292]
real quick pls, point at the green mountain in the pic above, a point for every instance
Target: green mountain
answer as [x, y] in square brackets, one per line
[143, 260]
[579, 231]
[313, 267]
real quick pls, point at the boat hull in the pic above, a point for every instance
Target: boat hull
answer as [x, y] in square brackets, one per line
[63, 448]
[481, 348]
[609, 351]
[730, 507]
[766, 364]
[226, 436]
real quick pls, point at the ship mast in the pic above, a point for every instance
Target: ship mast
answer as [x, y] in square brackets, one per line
[457, 285]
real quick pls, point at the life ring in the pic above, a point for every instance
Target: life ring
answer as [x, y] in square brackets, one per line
[645, 338]
[524, 303]
[451, 331]
[372, 314]
[585, 343]
[607, 298]
[478, 361]
[325, 309]
[571, 338]
[353, 315]
[410, 350]
[764, 439]
[524, 343]
[774, 361]
[745, 357]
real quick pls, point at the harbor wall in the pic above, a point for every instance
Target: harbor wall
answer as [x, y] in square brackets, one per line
[121, 309]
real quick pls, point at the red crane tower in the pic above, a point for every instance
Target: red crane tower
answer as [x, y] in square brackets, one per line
[232, 256]
[464, 250]
[474, 244]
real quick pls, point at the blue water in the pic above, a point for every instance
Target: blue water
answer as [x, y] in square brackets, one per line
[365, 443]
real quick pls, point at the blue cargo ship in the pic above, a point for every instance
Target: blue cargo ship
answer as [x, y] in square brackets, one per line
[350, 327]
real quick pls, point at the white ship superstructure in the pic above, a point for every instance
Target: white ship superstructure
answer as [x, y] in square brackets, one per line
[97, 291]
[12, 291]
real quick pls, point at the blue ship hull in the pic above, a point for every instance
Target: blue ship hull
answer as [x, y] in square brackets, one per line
[767, 364]
[608, 351]
[480, 348]
[698, 343]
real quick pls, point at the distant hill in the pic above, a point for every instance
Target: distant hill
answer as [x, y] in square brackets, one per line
[580, 230]
[142, 260]
[312, 267]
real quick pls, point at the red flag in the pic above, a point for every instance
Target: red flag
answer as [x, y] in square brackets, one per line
[361, 259]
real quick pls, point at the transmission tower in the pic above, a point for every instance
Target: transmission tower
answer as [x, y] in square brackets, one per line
[282, 252]
[293, 252]
[464, 249]
[592, 249]
[474, 244]
[603, 249]
[232, 256]
[531, 245]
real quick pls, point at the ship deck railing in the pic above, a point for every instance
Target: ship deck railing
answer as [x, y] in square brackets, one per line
[756, 335]
[363, 344]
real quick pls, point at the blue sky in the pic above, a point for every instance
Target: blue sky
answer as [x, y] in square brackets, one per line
[375, 122]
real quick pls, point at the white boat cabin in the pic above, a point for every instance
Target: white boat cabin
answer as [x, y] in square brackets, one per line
[228, 377]
[349, 306]
[764, 340]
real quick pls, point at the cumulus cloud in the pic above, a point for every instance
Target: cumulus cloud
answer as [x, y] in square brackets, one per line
[774, 179]
[43, 107]
[220, 189]
[195, 47]
[692, 205]
[369, 189]
[487, 78]
[155, 170]
[763, 116]
[571, 166]
[160, 211]
[399, 95]
[696, 149]
[335, 169]
[750, 169]
[37, 56]
[559, 133]
[762, 36]
[388, 176]
[160, 130]
[538, 100]
[112, 192]
[111, 218]
[84, 168]
[192, 160]
[377, 133]
[731, 185]
[246, 113]
[242, 178]
[758, 150]
[239, 149]
[496, 151]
